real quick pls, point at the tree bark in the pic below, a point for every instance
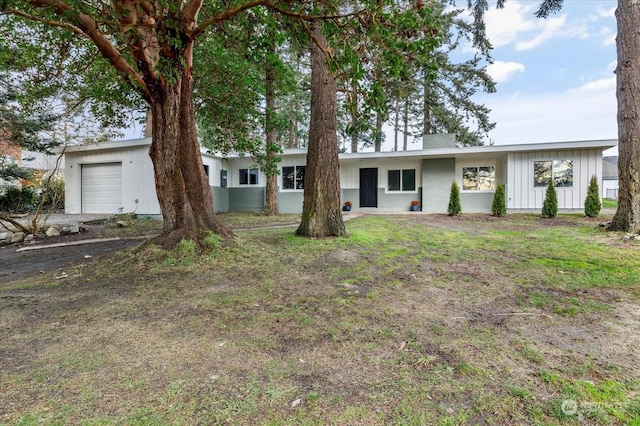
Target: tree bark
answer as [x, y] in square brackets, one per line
[426, 109]
[405, 136]
[182, 186]
[354, 119]
[396, 127]
[378, 142]
[321, 215]
[271, 189]
[627, 217]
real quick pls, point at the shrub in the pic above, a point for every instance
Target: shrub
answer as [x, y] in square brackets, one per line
[16, 200]
[592, 204]
[454, 200]
[550, 205]
[499, 206]
[52, 197]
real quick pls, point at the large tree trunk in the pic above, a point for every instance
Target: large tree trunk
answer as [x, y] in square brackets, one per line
[181, 183]
[627, 217]
[321, 216]
[271, 149]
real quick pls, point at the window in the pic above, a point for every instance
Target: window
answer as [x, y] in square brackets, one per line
[479, 178]
[401, 180]
[293, 177]
[561, 171]
[248, 176]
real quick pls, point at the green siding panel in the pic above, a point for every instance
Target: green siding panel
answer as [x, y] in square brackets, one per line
[437, 176]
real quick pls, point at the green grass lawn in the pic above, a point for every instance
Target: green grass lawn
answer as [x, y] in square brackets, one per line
[411, 320]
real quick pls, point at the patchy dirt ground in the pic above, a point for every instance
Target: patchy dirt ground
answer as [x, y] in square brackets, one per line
[422, 328]
[18, 261]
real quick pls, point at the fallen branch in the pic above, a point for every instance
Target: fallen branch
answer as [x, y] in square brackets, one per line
[20, 227]
[512, 314]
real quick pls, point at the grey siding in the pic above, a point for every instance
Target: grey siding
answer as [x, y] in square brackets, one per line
[475, 203]
[246, 199]
[290, 202]
[437, 175]
[220, 199]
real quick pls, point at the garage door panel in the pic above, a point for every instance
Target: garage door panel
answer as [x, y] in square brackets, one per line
[101, 188]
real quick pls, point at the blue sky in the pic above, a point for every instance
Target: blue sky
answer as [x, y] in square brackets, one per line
[555, 77]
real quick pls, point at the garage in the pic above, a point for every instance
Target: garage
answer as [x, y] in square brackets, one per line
[102, 188]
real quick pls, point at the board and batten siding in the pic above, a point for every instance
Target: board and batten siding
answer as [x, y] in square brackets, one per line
[523, 195]
[137, 178]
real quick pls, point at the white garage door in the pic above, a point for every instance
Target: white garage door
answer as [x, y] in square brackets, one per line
[101, 188]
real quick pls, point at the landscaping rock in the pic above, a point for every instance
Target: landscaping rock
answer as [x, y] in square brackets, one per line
[5, 238]
[52, 232]
[17, 237]
[29, 238]
[65, 230]
[74, 229]
[122, 223]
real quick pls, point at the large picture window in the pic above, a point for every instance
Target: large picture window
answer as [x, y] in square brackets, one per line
[248, 176]
[293, 177]
[561, 171]
[479, 178]
[401, 180]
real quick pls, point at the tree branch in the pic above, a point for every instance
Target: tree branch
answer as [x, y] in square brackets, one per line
[30, 17]
[229, 13]
[89, 27]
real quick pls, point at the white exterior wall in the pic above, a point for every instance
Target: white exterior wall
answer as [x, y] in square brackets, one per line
[137, 178]
[215, 165]
[521, 193]
[608, 184]
[233, 176]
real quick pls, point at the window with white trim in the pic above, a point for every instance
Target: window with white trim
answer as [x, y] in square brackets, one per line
[248, 176]
[401, 180]
[561, 171]
[481, 178]
[293, 177]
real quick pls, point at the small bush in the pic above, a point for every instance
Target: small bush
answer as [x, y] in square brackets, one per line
[550, 205]
[592, 204]
[16, 200]
[499, 206]
[455, 207]
[52, 196]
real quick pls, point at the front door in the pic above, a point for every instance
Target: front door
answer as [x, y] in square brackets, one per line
[369, 187]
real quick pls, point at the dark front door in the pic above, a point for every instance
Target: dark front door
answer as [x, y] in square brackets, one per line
[368, 187]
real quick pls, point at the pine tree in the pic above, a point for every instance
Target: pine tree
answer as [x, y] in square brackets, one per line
[455, 207]
[592, 203]
[499, 206]
[550, 205]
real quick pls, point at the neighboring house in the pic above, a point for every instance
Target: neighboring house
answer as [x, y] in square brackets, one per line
[9, 153]
[118, 176]
[610, 177]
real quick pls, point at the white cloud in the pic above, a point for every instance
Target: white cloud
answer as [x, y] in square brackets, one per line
[517, 25]
[551, 28]
[501, 71]
[504, 26]
[581, 113]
